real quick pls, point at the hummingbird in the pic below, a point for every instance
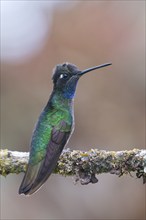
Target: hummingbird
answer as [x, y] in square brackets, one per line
[54, 127]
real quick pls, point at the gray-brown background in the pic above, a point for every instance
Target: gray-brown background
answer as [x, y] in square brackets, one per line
[109, 108]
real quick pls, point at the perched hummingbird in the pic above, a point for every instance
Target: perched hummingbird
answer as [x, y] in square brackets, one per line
[54, 127]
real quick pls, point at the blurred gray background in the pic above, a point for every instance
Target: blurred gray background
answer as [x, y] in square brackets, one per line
[109, 103]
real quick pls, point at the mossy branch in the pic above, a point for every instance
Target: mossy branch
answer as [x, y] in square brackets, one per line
[84, 165]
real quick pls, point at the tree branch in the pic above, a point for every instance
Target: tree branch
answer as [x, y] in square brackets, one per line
[83, 164]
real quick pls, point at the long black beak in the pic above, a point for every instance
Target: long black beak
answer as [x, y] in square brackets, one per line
[94, 68]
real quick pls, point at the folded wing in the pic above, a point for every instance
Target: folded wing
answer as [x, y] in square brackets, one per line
[38, 173]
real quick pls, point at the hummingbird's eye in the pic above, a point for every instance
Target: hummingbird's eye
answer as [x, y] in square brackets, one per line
[63, 76]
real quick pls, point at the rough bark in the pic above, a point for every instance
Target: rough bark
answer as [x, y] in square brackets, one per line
[84, 165]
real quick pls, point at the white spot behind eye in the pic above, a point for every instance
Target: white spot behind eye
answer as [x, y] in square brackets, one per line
[61, 76]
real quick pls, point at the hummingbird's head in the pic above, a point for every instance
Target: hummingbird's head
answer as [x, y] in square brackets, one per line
[66, 76]
[65, 79]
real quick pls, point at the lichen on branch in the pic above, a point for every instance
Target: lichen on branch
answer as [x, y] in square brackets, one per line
[84, 165]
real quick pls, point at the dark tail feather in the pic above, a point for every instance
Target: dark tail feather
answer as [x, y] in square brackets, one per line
[36, 175]
[34, 178]
[29, 178]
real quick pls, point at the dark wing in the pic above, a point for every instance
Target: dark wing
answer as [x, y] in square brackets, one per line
[37, 174]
